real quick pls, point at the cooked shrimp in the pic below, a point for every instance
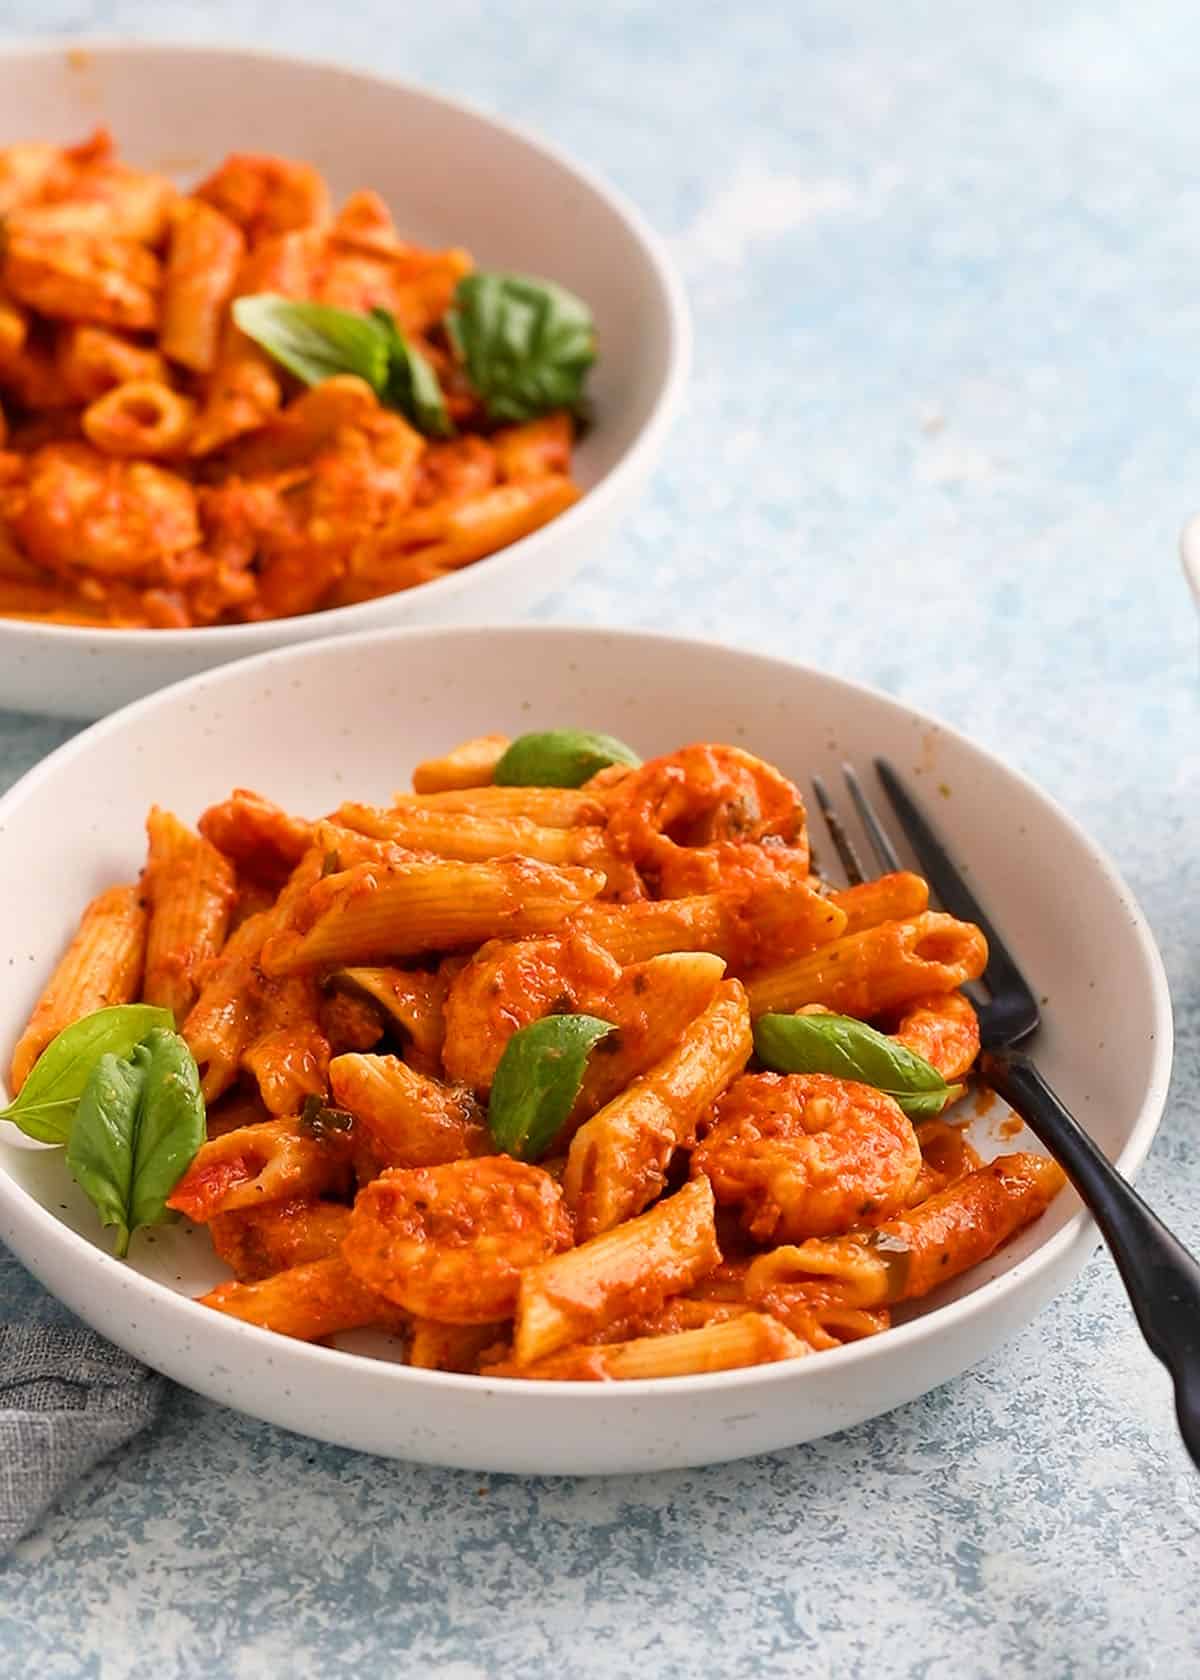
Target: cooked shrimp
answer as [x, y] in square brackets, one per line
[943, 1028]
[83, 277]
[451, 1242]
[510, 983]
[118, 518]
[708, 817]
[261, 838]
[266, 195]
[805, 1155]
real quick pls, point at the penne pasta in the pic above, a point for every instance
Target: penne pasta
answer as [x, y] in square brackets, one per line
[547, 807]
[286, 1051]
[888, 898]
[254, 1242]
[271, 1162]
[143, 417]
[636, 1266]
[879, 969]
[370, 913]
[411, 1000]
[221, 1022]
[469, 765]
[944, 1029]
[653, 1005]
[745, 927]
[321, 1298]
[434, 1346]
[908, 1256]
[101, 966]
[476, 838]
[190, 889]
[749, 1339]
[410, 1120]
[227, 1015]
[203, 259]
[618, 1160]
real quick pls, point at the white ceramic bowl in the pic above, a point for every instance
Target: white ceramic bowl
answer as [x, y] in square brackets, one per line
[512, 200]
[316, 724]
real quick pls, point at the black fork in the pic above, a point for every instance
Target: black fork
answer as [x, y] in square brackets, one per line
[1161, 1278]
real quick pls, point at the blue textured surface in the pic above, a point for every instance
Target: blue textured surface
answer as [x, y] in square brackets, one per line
[941, 436]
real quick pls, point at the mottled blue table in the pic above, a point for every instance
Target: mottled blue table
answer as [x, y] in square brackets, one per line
[943, 429]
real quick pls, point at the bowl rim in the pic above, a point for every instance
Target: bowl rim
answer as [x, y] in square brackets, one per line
[1078, 1234]
[231, 640]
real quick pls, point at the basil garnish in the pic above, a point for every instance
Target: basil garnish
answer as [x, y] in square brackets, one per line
[538, 1080]
[849, 1049]
[559, 758]
[316, 341]
[411, 387]
[526, 344]
[138, 1126]
[56, 1081]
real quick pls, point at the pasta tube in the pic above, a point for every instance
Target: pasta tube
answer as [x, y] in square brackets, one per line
[411, 1121]
[270, 1162]
[634, 1267]
[881, 968]
[374, 912]
[102, 965]
[475, 838]
[907, 1257]
[549, 807]
[747, 927]
[468, 765]
[190, 888]
[618, 1159]
[257, 1241]
[321, 1298]
[751, 1338]
[203, 258]
[888, 898]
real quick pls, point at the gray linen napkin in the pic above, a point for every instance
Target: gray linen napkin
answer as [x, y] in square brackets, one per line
[67, 1399]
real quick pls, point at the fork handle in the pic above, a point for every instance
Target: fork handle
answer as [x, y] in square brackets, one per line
[1161, 1278]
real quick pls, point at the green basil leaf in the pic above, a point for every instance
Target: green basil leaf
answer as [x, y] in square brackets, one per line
[51, 1092]
[538, 1080]
[526, 344]
[136, 1130]
[315, 341]
[560, 758]
[412, 387]
[849, 1049]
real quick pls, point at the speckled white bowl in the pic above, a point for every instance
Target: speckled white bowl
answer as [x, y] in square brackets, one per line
[512, 200]
[316, 724]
